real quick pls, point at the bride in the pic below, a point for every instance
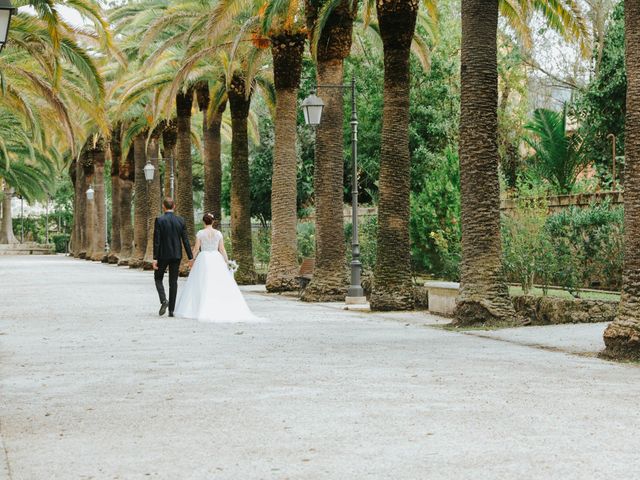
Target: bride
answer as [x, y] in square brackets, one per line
[211, 294]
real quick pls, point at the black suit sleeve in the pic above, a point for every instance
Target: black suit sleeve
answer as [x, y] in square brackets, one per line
[156, 240]
[185, 241]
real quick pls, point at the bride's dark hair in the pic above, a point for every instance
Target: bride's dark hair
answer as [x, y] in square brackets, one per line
[210, 219]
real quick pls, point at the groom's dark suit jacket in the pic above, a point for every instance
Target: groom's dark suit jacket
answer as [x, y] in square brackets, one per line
[169, 232]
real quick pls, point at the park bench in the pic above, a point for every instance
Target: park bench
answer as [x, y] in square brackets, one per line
[442, 296]
[306, 273]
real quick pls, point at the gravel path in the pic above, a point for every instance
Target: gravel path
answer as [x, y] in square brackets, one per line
[93, 385]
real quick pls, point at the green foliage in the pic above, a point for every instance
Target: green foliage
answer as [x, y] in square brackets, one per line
[435, 217]
[61, 241]
[367, 233]
[601, 109]
[589, 246]
[558, 157]
[306, 240]
[574, 248]
[526, 247]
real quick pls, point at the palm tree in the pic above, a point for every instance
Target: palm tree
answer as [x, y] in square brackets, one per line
[331, 48]
[239, 93]
[141, 206]
[558, 156]
[98, 159]
[115, 149]
[287, 49]
[392, 287]
[184, 202]
[127, 176]
[622, 337]
[153, 193]
[484, 296]
[212, 110]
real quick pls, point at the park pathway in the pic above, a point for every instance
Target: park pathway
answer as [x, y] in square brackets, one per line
[93, 385]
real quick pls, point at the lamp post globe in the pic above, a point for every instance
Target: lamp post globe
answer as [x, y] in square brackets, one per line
[90, 193]
[149, 171]
[312, 107]
[6, 11]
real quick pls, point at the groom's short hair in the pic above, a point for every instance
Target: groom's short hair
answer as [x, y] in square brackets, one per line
[168, 203]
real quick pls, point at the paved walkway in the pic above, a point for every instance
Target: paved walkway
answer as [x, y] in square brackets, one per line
[93, 385]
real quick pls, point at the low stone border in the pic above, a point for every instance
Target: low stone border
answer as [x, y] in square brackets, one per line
[555, 311]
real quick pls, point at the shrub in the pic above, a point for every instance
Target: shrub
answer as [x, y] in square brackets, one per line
[368, 232]
[61, 241]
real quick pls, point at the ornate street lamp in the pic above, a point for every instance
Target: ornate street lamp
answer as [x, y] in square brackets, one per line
[312, 107]
[149, 171]
[6, 11]
[90, 193]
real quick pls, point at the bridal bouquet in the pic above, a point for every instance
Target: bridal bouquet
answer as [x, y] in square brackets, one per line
[233, 266]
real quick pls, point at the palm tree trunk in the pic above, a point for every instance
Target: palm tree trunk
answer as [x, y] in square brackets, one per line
[169, 140]
[74, 176]
[89, 210]
[212, 163]
[484, 296]
[81, 197]
[6, 229]
[116, 160]
[392, 287]
[622, 337]
[98, 155]
[211, 151]
[287, 51]
[154, 199]
[330, 275]
[141, 206]
[127, 169]
[184, 204]
[241, 241]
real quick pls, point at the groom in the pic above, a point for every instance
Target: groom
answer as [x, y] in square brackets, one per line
[168, 234]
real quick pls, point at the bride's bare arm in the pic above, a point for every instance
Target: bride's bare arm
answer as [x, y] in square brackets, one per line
[196, 249]
[222, 250]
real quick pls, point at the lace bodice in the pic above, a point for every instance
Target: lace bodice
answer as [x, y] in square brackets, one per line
[209, 240]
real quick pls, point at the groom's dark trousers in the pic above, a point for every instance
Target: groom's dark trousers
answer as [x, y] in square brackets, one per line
[169, 236]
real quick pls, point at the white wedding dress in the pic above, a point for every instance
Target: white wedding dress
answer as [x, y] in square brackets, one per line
[211, 294]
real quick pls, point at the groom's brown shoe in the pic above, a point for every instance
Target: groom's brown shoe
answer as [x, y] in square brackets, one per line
[163, 308]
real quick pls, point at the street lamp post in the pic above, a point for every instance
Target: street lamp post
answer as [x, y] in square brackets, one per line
[6, 11]
[312, 107]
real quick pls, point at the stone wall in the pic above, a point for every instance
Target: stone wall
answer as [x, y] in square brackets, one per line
[553, 310]
[559, 202]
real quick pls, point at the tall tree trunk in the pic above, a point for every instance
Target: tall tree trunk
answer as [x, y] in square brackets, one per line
[169, 141]
[116, 160]
[89, 210]
[287, 51]
[392, 288]
[75, 178]
[484, 296]
[81, 207]
[184, 203]
[154, 197]
[100, 233]
[241, 241]
[6, 229]
[127, 169]
[330, 276]
[141, 206]
[211, 125]
[622, 337]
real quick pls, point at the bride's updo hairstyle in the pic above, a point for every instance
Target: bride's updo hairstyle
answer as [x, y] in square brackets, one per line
[210, 219]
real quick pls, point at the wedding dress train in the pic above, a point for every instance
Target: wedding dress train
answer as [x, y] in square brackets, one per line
[211, 294]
